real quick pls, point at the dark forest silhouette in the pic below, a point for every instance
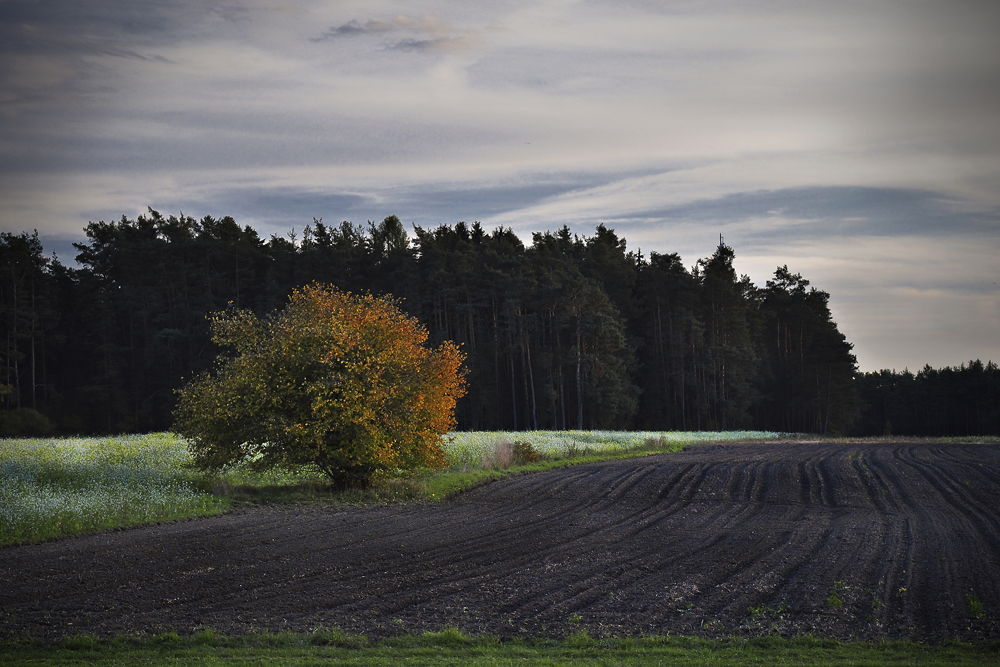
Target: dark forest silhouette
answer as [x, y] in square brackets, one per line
[569, 332]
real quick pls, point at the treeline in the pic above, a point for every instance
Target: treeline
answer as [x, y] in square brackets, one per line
[569, 332]
[958, 401]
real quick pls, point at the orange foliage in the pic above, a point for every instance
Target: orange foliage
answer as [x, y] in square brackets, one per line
[340, 381]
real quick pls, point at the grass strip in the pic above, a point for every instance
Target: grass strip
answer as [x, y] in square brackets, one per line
[427, 485]
[445, 483]
[452, 647]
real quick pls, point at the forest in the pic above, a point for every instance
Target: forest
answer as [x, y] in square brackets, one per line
[569, 332]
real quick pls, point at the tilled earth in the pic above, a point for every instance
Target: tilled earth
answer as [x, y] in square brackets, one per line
[842, 540]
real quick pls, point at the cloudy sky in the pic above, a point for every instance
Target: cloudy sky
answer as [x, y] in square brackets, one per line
[856, 142]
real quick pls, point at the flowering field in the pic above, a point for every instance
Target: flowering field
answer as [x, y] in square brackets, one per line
[471, 448]
[58, 486]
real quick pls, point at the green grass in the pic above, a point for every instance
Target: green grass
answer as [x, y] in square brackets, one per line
[451, 647]
[483, 456]
[65, 486]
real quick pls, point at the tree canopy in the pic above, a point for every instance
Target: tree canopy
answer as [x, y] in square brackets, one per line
[338, 381]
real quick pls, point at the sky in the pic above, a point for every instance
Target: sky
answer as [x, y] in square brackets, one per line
[858, 143]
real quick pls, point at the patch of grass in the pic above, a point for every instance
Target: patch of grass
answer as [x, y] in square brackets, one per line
[763, 610]
[204, 637]
[78, 642]
[313, 487]
[444, 483]
[975, 607]
[580, 640]
[452, 647]
[337, 638]
[448, 637]
[833, 600]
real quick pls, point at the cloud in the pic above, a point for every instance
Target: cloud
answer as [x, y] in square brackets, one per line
[836, 211]
[353, 28]
[433, 34]
[127, 53]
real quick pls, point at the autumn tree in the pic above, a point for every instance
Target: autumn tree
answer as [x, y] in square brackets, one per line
[338, 381]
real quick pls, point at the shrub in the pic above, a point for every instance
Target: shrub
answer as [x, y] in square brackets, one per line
[24, 423]
[338, 381]
[524, 452]
[506, 454]
[655, 443]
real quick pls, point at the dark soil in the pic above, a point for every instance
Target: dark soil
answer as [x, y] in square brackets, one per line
[840, 540]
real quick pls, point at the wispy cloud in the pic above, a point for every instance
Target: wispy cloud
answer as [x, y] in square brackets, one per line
[354, 27]
[429, 33]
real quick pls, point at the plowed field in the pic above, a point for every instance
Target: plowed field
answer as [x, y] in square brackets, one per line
[844, 540]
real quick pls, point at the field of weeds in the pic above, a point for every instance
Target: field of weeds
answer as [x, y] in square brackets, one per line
[59, 486]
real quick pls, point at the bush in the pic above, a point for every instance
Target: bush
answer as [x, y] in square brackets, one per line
[341, 382]
[24, 423]
[524, 452]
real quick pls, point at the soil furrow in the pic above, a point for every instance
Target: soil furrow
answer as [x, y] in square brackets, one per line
[845, 540]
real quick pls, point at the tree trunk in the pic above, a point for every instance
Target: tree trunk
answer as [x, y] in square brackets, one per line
[531, 379]
[513, 390]
[579, 378]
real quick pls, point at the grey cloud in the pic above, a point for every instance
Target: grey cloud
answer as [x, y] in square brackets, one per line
[433, 206]
[835, 211]
[67, 25]
[128, 53]
[555, 70]
[353, 28]
[438, 35]
[47, 74]
[214, 140]
[443, 44]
